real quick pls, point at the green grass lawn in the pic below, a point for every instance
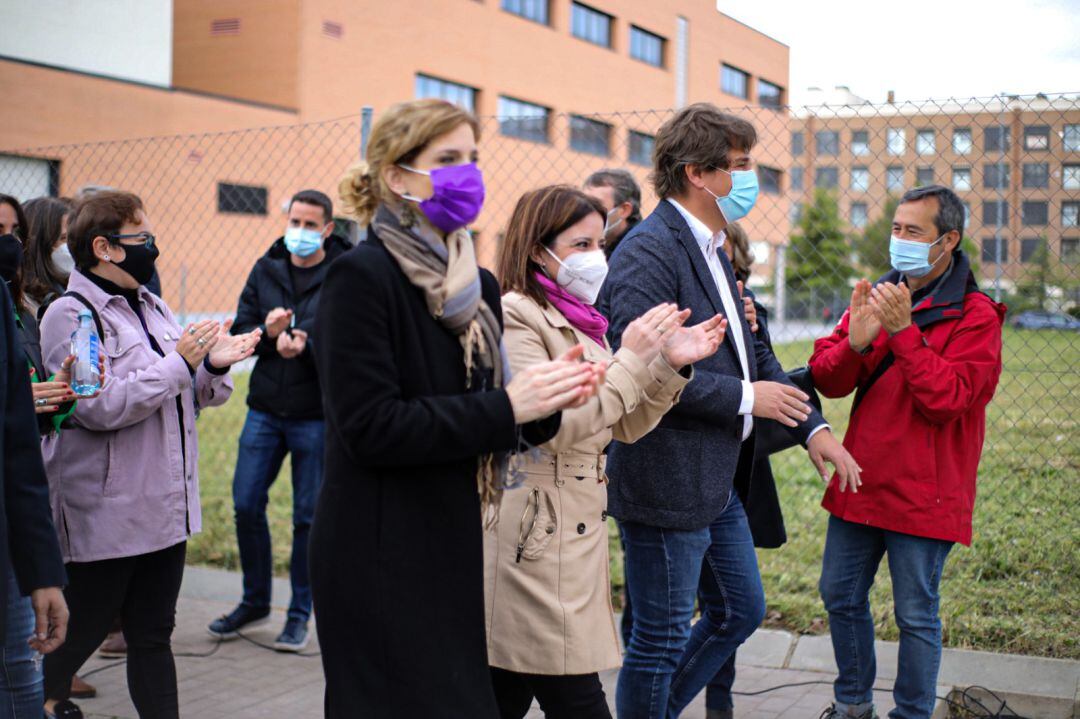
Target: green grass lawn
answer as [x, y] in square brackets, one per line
[1016, 589]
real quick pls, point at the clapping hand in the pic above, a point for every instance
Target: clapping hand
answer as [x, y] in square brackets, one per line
[687, 345]
[863, 324]
[291, 344]
[892, 306]
[545, 388]
[645, 336]
[229, 349]
[276, 321]
[748, 308]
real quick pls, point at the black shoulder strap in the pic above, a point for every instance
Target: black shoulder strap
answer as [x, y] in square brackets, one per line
[883, 366]
[97, 319]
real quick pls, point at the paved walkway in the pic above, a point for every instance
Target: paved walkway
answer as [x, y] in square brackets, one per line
[240, 680]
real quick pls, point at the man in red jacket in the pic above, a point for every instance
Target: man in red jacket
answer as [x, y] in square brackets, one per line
[921, 349]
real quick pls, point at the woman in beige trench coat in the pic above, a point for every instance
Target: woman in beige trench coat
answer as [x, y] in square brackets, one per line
[550, 625]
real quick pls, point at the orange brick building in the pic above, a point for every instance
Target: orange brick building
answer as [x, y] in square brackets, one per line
[565, 88]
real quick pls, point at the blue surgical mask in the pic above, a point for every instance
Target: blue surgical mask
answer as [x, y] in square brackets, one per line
[912, 258]
[744, 191]
[303, 242]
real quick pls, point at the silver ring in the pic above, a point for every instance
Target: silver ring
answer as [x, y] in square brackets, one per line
[191, 330]
[40, 402]
[201, 341]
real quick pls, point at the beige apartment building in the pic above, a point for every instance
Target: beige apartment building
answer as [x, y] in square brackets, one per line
[1015, 162]
[226, 107]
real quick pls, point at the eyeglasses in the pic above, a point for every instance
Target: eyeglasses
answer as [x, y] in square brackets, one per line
[148, 239]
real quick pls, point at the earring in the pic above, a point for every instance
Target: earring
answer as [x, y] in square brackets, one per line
[106, 258]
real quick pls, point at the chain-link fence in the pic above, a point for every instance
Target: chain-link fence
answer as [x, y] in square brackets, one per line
[830, 177]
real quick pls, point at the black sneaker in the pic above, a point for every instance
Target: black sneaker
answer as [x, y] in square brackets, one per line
[243, 617]
[293, 638]
[833, 713]
[65, 709]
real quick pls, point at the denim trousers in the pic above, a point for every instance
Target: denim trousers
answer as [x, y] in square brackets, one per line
[264, 442]
[852, 555]
[667, 661]
[21, 686]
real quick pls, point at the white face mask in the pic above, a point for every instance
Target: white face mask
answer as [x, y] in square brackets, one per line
[62, 260]
[582, 274]
[610, 224]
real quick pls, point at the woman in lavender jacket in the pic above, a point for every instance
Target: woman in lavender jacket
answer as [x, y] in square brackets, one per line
[123, 469]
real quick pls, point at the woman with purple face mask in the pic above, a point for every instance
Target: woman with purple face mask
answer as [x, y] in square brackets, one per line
[421, 411]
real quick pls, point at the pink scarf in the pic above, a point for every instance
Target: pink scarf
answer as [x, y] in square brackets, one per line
[582, 316]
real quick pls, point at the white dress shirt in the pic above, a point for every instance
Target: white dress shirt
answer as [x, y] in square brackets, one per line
[710, 245]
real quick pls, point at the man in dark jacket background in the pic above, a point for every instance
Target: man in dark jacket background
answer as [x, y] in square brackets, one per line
[285, 414]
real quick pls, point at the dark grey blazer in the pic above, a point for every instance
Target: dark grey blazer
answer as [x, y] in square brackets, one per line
[680, 474]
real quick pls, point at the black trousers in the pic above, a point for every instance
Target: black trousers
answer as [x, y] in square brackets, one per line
[573, 696]
[141, 590]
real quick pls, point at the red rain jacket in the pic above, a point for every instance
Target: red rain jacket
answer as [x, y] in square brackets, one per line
[918, 430]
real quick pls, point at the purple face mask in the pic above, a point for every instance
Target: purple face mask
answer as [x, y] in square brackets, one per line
[456, 198]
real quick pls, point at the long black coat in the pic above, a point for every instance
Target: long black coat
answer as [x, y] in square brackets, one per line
[27, 535]
[396, 546]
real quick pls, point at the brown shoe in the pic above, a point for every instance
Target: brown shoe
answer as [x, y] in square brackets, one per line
[81, 690]
[114, 646]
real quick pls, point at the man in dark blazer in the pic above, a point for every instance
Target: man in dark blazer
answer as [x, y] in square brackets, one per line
[28, 542]
[681, 522]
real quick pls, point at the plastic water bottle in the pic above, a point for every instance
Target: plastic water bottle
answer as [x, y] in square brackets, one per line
[85, 345]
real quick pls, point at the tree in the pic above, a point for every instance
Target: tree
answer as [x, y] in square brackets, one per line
[1033, 290]
[819, 259]
[872, 246]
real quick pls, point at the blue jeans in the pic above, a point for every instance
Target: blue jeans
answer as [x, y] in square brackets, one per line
[852, 554]
[264, 442]
[21, 686]
[667, 663]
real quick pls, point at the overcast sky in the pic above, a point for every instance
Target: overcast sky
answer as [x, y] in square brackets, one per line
[923, 48]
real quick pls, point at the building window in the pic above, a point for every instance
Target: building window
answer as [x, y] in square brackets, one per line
[795, 214]
[798, 143]
[535, 10]
[590, 136]
[646, 46]
[1028, 247]
[967, 214]
[827, 142]
[332, 30]
[894, 179]
[1036, 137]
[523, 120]
[796, 174]
[961, 140]
[1034, 213]
[858, 214]
[996, 176]
[1070, 177]
[860, 179]
[1070, 250]
[1070, 138]
[241, 199]
[734, 82]
[924, 176]
[769, 95]
[995, 212]
[894, 141]
[924, 142]
[641, 148]
[860, 143]
[769, 177]
[461, 95]
[961, 178]
[1070, 214]
[990, 248]
[590, 25]
[225, 26]
[827, 178]
[996, 139]
[1037, 175]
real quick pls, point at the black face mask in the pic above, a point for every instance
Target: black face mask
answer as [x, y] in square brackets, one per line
[139, 262]
[11, 256]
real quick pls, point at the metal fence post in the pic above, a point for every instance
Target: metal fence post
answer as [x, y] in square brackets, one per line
[365, 128]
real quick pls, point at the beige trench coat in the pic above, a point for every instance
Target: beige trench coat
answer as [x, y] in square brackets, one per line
[547, 591]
